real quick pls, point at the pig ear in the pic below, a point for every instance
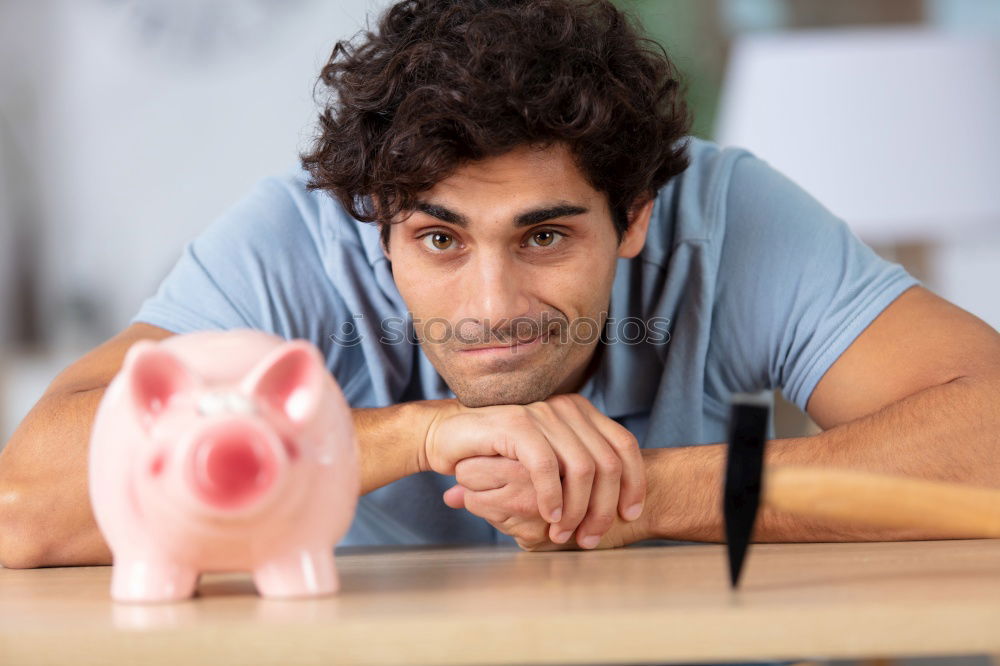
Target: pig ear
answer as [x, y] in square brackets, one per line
[156, 375]
[289, 379]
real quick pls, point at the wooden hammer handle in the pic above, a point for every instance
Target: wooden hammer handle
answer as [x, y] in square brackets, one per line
[880, 500]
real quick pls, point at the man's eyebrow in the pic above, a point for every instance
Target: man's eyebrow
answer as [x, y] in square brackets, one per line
[525, 219]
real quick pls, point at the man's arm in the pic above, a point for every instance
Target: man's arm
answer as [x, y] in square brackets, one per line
[45, 513]
[46, 517]
[916, 394]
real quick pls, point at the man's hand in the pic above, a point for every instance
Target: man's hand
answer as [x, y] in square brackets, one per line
[585, 468]
[500, 490]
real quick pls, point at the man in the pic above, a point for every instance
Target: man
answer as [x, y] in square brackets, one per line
[538, 294]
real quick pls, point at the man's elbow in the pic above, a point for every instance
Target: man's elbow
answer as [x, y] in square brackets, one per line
[34, 533]
[20, 546]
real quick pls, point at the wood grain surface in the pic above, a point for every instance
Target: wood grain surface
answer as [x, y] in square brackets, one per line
[492, 605]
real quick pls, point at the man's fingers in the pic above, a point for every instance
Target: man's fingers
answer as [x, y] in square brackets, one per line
[603, 506]
[632, 494]
[454, 497]
[487, 472]
[578, 471]
[600, 460]
[463, 436]
[606, 489]
[536, 453]
[488, 504]
[468, 435]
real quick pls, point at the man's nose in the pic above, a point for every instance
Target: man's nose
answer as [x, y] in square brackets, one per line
[497, 290]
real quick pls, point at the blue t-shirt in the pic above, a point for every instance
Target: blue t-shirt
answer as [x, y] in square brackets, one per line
[753, 284]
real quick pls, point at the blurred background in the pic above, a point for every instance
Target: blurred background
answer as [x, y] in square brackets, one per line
[126, 126]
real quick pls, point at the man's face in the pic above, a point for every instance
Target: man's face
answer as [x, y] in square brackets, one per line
[507, 267]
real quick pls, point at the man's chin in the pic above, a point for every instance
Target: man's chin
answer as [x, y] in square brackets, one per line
[485, 392]
[518, 380]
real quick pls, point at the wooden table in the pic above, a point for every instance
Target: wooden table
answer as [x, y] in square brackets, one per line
[490, 605]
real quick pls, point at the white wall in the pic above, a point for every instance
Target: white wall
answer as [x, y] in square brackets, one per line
[6, 240]
[968, 272]
[138, 122]
[154, 116]
[963, 162]
[20, 79]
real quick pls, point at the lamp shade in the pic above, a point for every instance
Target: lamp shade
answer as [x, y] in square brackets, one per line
[897, 131]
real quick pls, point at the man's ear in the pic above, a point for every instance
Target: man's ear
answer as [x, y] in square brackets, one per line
[634, 237]
[383, 241]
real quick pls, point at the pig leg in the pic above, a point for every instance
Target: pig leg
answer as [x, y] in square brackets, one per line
[298, 573]
[137, 578]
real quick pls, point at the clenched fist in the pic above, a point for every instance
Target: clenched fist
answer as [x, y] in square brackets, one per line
[500, 491]
[584, 468]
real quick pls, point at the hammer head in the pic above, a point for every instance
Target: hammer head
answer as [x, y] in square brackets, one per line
[748, 421]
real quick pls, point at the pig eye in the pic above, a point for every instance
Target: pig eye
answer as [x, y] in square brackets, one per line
[290, 449]
[156, 466]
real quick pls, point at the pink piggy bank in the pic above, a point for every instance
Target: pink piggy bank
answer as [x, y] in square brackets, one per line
[223, 451]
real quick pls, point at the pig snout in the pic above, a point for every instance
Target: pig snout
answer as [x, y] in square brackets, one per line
[234, 466]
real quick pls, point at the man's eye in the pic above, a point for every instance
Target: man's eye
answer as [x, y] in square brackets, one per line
[438, 240]
[545, 238]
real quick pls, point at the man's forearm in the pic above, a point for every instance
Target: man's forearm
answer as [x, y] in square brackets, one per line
[45, 514]
[946, 432]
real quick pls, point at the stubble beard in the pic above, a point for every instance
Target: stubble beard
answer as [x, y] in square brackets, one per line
[509, 382]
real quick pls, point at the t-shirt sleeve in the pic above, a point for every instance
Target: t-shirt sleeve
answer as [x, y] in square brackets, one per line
[795, 287]
[257, 266]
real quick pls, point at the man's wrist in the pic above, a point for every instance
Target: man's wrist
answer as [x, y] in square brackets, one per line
[425, 415]
[392, 440]
[686, 487]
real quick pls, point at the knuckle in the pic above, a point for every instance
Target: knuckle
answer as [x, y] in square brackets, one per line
[517, 420]
[520, 412]
[626, 442]
[581, 471]
[610, 465]
[561, 401]
[464, 467]
[529, 537]
[593, 413]
[504, 415]
[543, 409]
[600, 520]
[546, 466]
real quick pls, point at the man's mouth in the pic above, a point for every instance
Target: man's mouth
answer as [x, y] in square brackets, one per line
[511, 348]
[518, 346]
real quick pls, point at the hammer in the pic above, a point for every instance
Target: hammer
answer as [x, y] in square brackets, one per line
[853, 497]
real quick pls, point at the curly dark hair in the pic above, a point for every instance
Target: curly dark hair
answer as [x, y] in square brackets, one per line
[444, 82]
